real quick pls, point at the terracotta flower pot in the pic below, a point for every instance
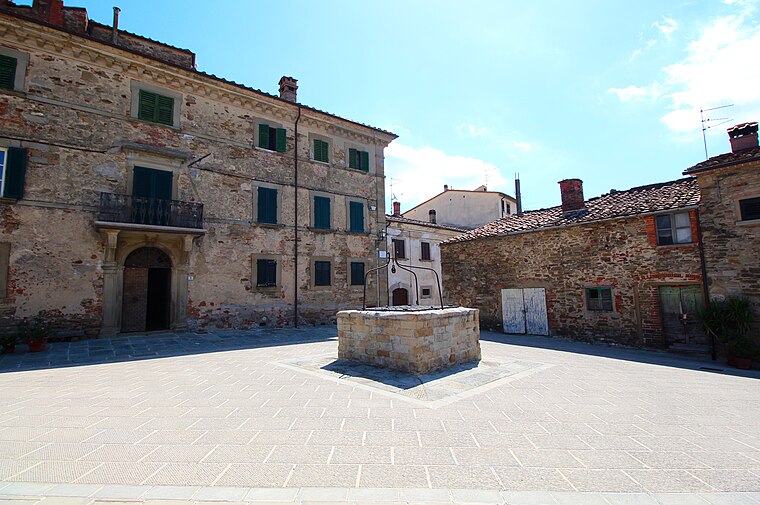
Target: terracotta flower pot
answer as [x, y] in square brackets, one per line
[36, 345]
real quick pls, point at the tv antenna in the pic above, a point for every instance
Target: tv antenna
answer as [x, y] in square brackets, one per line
[706, 126]
[393, 195]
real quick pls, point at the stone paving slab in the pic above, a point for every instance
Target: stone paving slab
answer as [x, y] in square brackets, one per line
[228, 412]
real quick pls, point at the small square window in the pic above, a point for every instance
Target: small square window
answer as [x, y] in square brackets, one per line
[599, 299]
[155, 108]
[322, 275]
[273, 139]
[427, 292]
[673, 229]
[357, 273]
[425, 250]
[358, 159]
[266, 273]
[321, 151]
[750, 209]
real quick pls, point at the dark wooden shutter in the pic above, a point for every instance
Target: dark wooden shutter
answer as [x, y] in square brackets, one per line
[147, 107]
[356, 217]
[353, 159]
[15, 173]
[425, 250]
[151, 183]
[357, 273]
[7, 71]
[321, 150]
[398, 249]
[267, 205]
[281, 140]
[750, 209]
[322, 212]
[322, 273]
[264, 136]
[266, 272]
[165, 110]
[365, 161]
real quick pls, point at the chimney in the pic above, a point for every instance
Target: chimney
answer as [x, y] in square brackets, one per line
[49, 11]
[288, 88]
[743, 136]
[518, 196]
[572, 195]
[445, 187]
[115, 34]
[396, 209]
[431, 215]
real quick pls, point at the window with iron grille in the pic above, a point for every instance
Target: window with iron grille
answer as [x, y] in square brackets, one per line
[398, 248]
[673, 229]
[357, 273]
[266, 273]
[599, 299]
[322, 276]
[424, 250]
[750, 209]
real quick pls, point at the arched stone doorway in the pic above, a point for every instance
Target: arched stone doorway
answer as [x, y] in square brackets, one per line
[400, 296]
[146, 299]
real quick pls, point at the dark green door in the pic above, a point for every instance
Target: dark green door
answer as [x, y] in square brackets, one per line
[151, 196]
[679, 306]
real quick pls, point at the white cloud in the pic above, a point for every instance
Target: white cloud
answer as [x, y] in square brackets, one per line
[526, 147]
[472, 130]
[420, 173]
[631, 93]
[667, 26]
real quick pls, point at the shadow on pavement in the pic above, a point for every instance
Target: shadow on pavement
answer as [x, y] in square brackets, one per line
[620, 353]
[161, 345]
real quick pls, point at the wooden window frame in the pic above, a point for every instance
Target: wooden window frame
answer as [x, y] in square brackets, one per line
[322, 259]
[429, 251]
[673, 229]
[741, 203]
[351, 263]
[403, 248]
[255, 272]
[602, 306]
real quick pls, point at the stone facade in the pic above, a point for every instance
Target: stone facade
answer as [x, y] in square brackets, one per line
[566, 260]
[417, 342]
[72, 115]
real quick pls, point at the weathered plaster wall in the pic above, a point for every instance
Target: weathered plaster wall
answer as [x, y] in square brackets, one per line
[465, 209]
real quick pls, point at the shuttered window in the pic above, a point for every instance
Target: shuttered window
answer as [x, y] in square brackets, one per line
[358, 159]
[12, 172]
[272, 138]
[357, 273]
[7, 71]
[321, 151]
[322, 275]
[156, 108]
[356, 217]
[599, 299]
[266, 273]
[322, 212]
[5, 256]
[424, 250]
[398, 249]
[267, 205]
[750, 209]
[673, 229]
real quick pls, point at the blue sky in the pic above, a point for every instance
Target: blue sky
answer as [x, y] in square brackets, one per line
[606, 91]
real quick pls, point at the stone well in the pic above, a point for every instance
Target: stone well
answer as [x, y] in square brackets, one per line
[413, 340]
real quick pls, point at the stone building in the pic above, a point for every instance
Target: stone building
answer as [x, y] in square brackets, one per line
[622, 267]
[417, 244]
[730, 215]
[460, 208]
[139, 193]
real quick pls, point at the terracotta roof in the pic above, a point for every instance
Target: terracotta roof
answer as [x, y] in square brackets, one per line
[660, 197]
[724, 160]
[417, 222]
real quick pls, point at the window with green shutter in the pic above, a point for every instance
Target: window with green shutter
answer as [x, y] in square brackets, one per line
[12, 172]
[322, 212]
[357, 273]
[266, 273]
[271, 138]
[7, 71]
[156, 108]
[321, 151]
[356, 217]
[358, 159]
[322, 275]
[267, 206]
[599, 299]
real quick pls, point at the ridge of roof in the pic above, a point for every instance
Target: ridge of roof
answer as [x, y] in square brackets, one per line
[390, 217]
[724, 160]
[132, 34]
[646, 199]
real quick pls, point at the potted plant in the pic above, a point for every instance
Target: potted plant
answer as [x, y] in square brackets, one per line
[731, 321]
[35, 332]
[8, 343]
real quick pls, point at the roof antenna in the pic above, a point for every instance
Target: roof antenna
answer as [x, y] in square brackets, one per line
[393, 195]
[705, 126]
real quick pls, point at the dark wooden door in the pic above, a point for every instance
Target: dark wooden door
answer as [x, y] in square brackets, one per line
[400, 296]
[146, 294]
[679, 306]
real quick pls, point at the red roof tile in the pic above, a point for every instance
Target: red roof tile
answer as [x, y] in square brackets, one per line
[724, 160]
[660, 197]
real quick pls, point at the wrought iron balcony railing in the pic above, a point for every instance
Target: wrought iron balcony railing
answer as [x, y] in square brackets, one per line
[150, 211]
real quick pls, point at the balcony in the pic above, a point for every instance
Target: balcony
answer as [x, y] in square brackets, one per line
[149, 212]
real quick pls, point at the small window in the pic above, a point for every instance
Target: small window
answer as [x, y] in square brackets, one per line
[599, 299]
[272, 138]
[509, 209]
[357, 273]
[358, 159]
[425, 250]
[155, 108]
[356, 217]
[750, 209]
[398, 249]
[673, 229]
[321, 151]
[267, 205]
[322, 212]
[427, 292]
[322, 273]
[8, 67]
[266, 273]
[12, 172]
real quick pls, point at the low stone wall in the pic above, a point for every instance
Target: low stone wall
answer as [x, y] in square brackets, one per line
[416, 342]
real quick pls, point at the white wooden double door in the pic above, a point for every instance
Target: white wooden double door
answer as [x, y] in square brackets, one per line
[524, 311]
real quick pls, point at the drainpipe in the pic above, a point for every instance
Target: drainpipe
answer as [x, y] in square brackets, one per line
[295, 221]
[705, 289]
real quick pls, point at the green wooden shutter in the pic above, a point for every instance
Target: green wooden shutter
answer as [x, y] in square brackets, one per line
[272, 272]
[147, 107]
[322, 212]
[357, 274]
[352, 158]
[266, 272]
[165, 113]
[15, 173]
[321, 151]
[7, 71]
[267, 205]
[264, 136]
[281, 140]
[365, 161]
[356, 213]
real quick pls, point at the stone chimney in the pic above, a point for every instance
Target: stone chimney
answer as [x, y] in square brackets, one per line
[743, 136]
[431, 216]
[445, 187]
[396, 209]
[49, 11]
[572, 195]
[288, 88]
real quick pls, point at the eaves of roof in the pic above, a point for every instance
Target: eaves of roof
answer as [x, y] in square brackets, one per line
[725, 160]
[417, 222]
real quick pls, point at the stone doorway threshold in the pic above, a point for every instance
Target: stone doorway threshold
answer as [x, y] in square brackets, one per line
[433, 390]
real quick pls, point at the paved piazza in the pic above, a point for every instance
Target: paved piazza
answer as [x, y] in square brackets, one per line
[266, 416]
